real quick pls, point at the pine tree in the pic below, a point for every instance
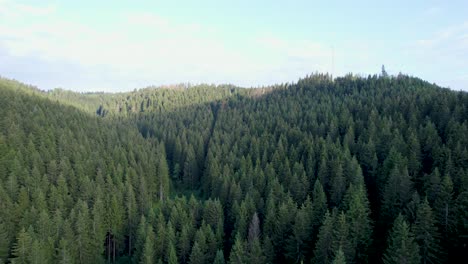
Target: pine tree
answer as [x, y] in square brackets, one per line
[4, 241]
[172, 259]
[163, 174]
[196, 257]
[426, 234]
[148, 254]
[131, 215]
[219, 259]
[338, 184]
[83, 234]
[38, 255]
[22, 249]
[339, 257]
[63, 253]
[319, 207]
[298, 244]
[402, 248]
[397, 193]
[238, 253]
[183, 247]
[255, 253]
[268, 249]
[140, 239]
[324, 246]
[191, 169]
[359, 221]
[444, 207]
[160, 237]
[169, 241]
[341, 239]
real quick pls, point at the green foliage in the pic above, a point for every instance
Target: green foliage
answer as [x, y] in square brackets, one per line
[193, 174]
[219, 259]
[148, 254]
[401, 246]
[359, 221]
[397, 193]
[339, 257]
[238, 253]
[426, 234]
[4, 241]
[197, 256]
[324, 248]
[22, 249]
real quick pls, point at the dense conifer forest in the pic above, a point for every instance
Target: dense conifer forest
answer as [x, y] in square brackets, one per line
[326, 170]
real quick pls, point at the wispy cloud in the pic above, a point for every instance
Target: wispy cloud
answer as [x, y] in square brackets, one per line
[453, 37]
[159, 48]
[154, 48]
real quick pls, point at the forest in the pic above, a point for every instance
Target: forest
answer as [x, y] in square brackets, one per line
[352, 169]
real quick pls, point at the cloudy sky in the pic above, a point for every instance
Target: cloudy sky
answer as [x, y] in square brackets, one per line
[122, 45]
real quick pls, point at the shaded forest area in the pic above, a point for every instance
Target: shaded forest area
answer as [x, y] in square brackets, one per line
[344, 170]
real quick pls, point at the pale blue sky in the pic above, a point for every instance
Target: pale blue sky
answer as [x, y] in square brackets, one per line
[122, 45]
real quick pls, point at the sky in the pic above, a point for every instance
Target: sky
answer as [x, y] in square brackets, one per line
[116, 46]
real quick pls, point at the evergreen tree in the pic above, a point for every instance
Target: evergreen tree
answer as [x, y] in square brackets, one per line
[444, 207]
[397, 193]
[238, 253]
[339, 257]
[219, 259]
[319, 207]
[22, 249]
[63, 253]
[83, 234]
[299, 242]
[163, 174]
[148, 254]
[183, 247]
[359, 221]
[79, 170]
[401, 248]
[324, 247]
[172, 259]
[4, 242]
[426, 234]
[196, 257]
[341, 239]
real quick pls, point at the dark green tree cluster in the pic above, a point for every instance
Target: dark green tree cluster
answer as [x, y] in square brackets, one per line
[344, 170]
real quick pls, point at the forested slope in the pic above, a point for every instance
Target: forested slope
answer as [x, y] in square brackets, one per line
[350, 170]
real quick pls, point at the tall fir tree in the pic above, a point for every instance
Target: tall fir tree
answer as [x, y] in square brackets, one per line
[401, 246]
[426, 234]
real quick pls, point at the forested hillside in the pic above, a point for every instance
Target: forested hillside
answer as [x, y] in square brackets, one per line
[344, 170]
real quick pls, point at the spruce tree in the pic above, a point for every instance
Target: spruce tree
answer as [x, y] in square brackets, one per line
[22, 248]
[426, 233]
[219, 259]
[359, 221]
[339, 257]
[148, 254]
[172, 259]
[4, 241]
[324, 246]
[401, 246]
[197, 256]
[397, 193]
[319, 208]
[238, 253]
